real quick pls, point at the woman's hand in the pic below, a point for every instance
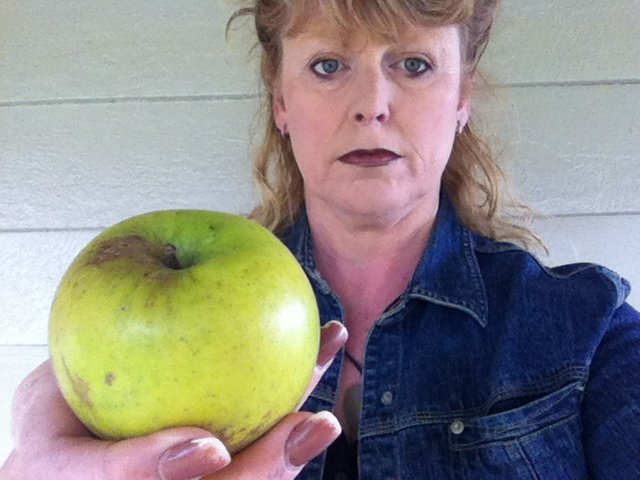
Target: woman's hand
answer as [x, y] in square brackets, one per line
[51, 443]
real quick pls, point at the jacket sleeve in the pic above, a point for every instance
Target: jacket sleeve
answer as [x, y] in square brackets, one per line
[611, 402]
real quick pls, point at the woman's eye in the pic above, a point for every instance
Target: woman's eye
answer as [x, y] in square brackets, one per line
[415, 66]
[326, 66]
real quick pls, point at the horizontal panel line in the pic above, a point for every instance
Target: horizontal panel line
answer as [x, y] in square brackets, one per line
[585, 215]
[117, 100]
[537, 216]
[23, 345]
[251, 96]
[568, 83]
[53, 230]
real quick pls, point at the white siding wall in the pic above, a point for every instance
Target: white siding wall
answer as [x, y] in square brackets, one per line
[108, 109]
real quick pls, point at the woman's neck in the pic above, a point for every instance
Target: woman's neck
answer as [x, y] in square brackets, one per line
[368, 265]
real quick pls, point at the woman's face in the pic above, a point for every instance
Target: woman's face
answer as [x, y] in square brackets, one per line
[371, 124]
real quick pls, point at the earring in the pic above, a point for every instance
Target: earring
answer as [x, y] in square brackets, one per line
[284, 131]
[459, 127]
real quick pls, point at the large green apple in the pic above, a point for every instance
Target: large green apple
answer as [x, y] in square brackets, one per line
[184, 317]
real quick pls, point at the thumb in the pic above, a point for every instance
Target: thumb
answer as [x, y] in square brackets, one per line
[180, 453]
[283, 451]
[310, 437]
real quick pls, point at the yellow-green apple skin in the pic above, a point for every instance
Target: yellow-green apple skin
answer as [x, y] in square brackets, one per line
[225, 339]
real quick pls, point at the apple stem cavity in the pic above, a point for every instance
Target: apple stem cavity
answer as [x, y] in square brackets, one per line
[170, 259]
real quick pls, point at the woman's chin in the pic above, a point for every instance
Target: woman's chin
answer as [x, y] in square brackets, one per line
[380, 210]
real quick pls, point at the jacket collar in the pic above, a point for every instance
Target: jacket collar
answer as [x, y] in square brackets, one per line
[447, 274]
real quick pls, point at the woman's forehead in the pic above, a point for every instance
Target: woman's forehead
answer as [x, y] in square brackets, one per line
[313, 17]
[379, 19]
[323, 28]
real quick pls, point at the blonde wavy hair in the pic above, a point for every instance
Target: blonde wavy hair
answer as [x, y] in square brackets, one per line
[473, 178]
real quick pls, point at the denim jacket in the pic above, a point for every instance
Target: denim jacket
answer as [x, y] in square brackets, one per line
[492, 366]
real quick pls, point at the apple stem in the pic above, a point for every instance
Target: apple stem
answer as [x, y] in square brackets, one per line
[170, 258]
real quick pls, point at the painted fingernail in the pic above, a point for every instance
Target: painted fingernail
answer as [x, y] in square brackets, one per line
[193, 459]
[311, 437]
[332, 337]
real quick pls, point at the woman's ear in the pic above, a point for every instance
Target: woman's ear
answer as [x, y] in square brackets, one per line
[279, 111]
[464, 104]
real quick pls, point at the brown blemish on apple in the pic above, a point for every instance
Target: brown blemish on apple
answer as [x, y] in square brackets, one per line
[109, 378]
[267, 417]
[135, 247]
[228, 435]
[257, 430]
[79, 385]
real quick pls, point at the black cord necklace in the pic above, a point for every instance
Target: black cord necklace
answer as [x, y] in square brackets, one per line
[352, 404]
[350, 357]
[355, 362]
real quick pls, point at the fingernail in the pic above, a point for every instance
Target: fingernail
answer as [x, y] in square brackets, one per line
[332, 337]
[311, 437]
[193, 459]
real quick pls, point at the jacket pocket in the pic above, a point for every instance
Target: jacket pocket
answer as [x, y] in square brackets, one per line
[539, 440]
[517, 423]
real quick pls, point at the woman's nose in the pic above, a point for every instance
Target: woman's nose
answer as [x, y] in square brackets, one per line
[371, 100]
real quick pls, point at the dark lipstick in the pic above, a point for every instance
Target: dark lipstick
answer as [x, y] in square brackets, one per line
[369, 158]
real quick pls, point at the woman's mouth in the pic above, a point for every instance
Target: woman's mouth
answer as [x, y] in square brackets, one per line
[369, 158]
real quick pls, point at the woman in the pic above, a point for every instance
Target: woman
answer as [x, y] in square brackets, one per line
[465, 357]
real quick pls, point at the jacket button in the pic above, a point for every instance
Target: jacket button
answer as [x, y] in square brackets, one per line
[387, 398]
[457, 427]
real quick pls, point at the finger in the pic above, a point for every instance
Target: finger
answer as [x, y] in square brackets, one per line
[333, 336]
[192, 459]
[284, 450]
[310, 438]
[180, 453]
